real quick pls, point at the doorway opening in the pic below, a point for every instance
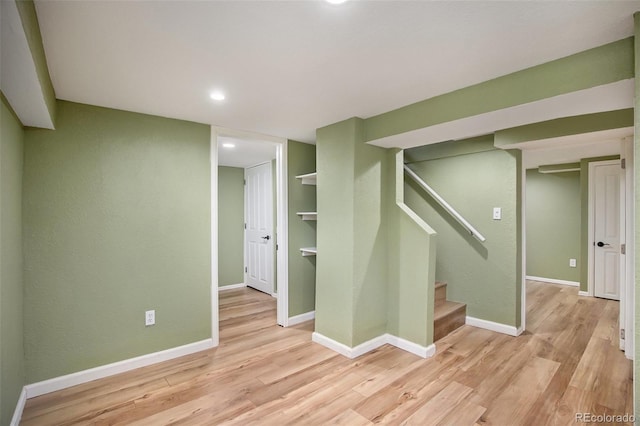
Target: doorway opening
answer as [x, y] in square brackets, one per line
[564, 255]
[248, 253]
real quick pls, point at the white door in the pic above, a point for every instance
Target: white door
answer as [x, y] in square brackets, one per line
[259, 228]
[606, 228]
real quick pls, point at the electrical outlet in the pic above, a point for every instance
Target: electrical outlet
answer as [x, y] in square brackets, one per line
[497, 213]
[572, 263]
[149, 318]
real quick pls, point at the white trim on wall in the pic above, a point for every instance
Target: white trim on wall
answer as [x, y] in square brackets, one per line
[307, 316]
[370, 345]
[554, 281]
[523, 245]
[73, 379]
[17, 414]
[213, 154]
[494, 326]
[584, 293]
[282, 234]
[629, 314]
[231, 287]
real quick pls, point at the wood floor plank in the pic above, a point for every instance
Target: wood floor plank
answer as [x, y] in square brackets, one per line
[349, 418]
[567, 362]
[437, 408]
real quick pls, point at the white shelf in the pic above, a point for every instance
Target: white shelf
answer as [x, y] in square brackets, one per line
[309, 178]
[309, 251]
[308, 215]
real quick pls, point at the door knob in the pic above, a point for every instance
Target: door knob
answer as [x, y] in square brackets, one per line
[601, 244]
[267, 238]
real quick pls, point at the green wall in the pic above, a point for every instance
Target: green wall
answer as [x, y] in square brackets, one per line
[117, 213]
[12, 365]
[486, 276]
[301, 159]
[352, 270]
[230, 226]
[553, 210]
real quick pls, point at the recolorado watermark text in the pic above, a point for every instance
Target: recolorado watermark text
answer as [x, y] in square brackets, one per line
[604, 418]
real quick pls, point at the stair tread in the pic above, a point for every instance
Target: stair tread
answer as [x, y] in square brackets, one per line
[446, 308]
[440, 284]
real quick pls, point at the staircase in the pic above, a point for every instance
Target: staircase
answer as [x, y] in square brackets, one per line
[448, 315]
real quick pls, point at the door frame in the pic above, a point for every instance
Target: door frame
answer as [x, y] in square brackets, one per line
[627, 267]
[244, 236]
[282, 228]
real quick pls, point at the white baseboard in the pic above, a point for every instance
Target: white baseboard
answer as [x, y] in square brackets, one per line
[376, 342]
[414, 348]
[17, 414]
[584, 293]
[368, 346]
[63, 382]
[335, 346]
[493, 326]
[308, 316]
[554, 281]
[231, 287]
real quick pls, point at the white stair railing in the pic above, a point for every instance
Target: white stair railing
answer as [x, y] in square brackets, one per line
[457, 216]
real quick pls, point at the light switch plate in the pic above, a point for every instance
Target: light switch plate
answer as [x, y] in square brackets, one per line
[572, 263]
[497, 213]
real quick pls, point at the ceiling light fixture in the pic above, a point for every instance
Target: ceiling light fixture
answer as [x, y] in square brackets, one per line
[217, 96]
[228, 145]
[336, 1]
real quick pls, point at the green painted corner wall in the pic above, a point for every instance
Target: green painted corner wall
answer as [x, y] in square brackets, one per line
[12, 365]
[371, 197]
[301, 159]
[485, 276]
[117, 208]
[553, 215]
[230, 226]
[31, 27]
[352, 270]
[411, 263]
[335, 150]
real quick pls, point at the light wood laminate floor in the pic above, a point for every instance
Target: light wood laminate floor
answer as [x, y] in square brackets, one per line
[566, 362]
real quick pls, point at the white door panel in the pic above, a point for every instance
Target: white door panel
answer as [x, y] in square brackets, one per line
[606, 230]
[259, 227]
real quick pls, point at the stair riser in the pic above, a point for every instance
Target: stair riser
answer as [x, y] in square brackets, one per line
[448, 323]
[441, 295]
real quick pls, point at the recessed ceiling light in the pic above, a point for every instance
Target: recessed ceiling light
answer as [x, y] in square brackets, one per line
[217, 96]
[228, 145]
[336, 1]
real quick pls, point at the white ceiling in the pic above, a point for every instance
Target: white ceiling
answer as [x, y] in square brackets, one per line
[245, 153]
[289, 67]
[571, 149]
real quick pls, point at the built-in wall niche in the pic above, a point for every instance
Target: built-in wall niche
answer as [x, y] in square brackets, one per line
[308, 179]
